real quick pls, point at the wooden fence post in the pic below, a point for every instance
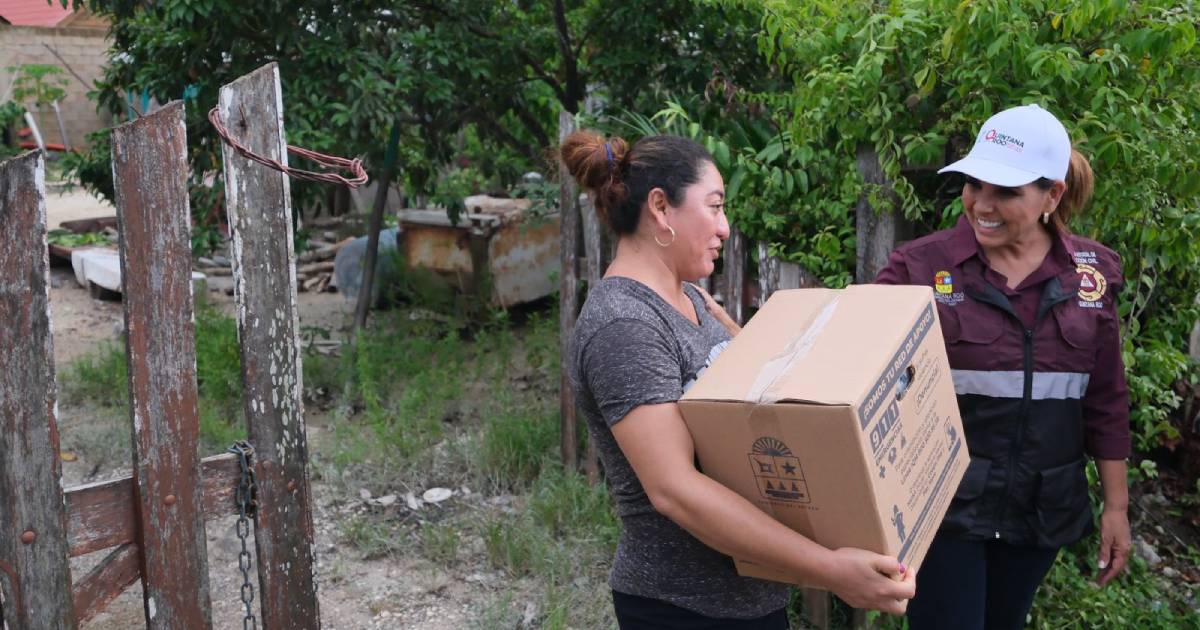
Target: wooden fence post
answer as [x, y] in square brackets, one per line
[35, 579]
[593, 245]
[775, 274]
[876, 227]
[259, 203]
[150, 170]
[769, 270]
[735, 275]
[568, 296]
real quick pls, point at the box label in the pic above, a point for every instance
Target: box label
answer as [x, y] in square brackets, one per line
[924, 519]
[880, 395]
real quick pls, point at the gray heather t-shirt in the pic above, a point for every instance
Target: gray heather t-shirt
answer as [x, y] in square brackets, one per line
[632, 348]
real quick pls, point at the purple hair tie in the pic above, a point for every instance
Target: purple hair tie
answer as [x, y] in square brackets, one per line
[608, 150]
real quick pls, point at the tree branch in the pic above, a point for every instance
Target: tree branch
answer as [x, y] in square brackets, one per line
[574, 89]
[589, 31]
[503, 134]
[475, 29]
[531, 124]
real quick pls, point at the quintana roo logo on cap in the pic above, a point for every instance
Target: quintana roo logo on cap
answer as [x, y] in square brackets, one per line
[943, 282]
[778, 471]
[1092, 284]
[1004, 140]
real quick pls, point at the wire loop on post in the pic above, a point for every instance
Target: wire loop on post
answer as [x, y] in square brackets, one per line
[358, 174]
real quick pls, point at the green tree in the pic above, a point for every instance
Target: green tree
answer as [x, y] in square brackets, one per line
[38, 84]
[909, 81]
[474, 82]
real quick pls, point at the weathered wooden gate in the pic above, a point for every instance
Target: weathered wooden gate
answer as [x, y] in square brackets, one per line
[154, 520]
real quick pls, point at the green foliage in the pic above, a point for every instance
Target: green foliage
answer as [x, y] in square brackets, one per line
[566, 527]
[439, 407]
[765, 176]
[67, 238]
[910, 81]
[10, 113]
[92, 166]
[453, 187]
[473, 83]
[373, 538]
[1069, 599]
[440, 542]
[38, 84]
[565, 536]
[1143, 598]
[99, 377]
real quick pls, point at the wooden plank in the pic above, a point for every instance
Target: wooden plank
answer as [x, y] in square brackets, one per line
[817, 607]
[107, 581]
[593, 245]
[150, 169]
[876, 227]
[101, 515]
[768, 273]
[775, 274]
[258, 199]
[35, 579]
[735, 275]
[568, 296]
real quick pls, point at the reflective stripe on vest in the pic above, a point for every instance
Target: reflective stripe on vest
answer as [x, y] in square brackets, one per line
[1011, 384]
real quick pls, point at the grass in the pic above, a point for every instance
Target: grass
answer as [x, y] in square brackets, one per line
[99, 379]
[432, 402]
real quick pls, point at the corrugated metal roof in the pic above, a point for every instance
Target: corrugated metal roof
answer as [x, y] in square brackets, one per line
[33, 12]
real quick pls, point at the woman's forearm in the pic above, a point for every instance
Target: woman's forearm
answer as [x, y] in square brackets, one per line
[1114, 481]
[727, 522]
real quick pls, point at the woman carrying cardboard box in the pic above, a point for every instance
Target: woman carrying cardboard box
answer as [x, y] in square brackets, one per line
[644, 336]
[1029, 314]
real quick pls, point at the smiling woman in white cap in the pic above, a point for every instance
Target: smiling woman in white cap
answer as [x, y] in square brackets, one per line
[1029, 314]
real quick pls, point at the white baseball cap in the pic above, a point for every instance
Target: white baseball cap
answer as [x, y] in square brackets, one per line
[1017, 146]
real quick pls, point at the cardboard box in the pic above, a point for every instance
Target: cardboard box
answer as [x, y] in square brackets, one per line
[834, 412]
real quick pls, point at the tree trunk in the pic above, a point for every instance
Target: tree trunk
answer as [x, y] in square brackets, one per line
[366, 292]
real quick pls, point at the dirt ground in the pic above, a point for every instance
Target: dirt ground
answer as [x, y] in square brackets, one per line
[396, 592]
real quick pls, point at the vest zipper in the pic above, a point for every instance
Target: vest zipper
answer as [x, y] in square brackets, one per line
[1022, 420]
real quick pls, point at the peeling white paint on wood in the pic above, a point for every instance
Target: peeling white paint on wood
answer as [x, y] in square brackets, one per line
[265, 281]
[35, 587]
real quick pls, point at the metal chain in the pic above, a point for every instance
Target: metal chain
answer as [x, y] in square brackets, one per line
[245, 501]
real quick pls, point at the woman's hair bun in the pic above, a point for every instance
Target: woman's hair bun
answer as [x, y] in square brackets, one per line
[595, 163]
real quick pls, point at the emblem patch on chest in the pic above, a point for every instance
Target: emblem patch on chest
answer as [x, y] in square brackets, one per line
[943, 287]
[1092, 286]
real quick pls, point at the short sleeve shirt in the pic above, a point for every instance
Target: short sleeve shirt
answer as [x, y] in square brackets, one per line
[632, 348]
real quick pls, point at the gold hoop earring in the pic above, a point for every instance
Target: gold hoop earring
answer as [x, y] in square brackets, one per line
[1046, 218]
[667, 244]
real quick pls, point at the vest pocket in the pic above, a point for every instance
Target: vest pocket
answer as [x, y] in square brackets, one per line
[961, 514]
[1062, 512]
[972, 322]
[1077, 330]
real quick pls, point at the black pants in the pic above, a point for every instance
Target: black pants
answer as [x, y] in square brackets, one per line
[977, 585]
[644, 613]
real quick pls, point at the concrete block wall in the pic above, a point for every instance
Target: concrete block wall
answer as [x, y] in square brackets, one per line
[83, 50]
